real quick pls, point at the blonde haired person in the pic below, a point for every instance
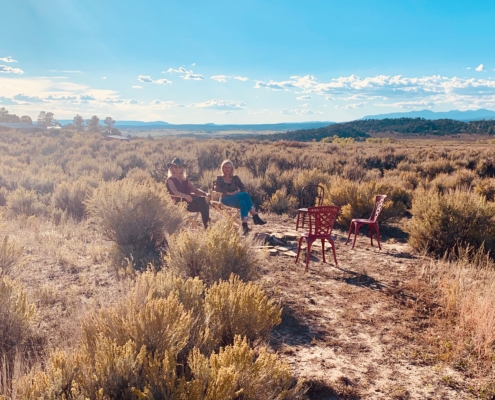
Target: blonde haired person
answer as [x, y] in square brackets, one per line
[234, 194]
[179, 185]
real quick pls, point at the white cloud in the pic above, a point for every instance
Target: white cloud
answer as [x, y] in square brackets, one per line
[8, 59]
[9, 70]
[181, 70]
[219, 78]
[480, 68]
[103, 77]
[193, 77]
[220, 105]
[87, 97]
[147, 79]
[131, 101]
[305, 105]
[137, 87]
[162, 103]
[193, 64]
[28, 99]
[241, 78]
[408, 104]
[351, 106]
[304, 98]
[468, 67]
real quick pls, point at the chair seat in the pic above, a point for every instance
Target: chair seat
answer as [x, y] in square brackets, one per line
[364, 221]
[307, 234]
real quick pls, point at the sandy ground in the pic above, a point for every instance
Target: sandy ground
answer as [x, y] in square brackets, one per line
[351, 330]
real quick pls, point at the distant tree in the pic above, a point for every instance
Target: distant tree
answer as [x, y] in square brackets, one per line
[6, 117]
[41, 119]
[78, 123]
[26, 119]
[109, 122]
[49, 119]
[93, 124]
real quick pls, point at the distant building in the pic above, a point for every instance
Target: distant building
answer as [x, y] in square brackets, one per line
[117, 137]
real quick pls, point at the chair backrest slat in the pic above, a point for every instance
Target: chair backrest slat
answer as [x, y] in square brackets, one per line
[312, 196]
[377, 209]
[322, 219]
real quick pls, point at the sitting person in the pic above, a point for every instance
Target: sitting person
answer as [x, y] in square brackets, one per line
[179, 185]
[234, 194]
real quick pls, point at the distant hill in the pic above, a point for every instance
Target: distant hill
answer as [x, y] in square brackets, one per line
[390, 127]
[284, 126]
[469, 115]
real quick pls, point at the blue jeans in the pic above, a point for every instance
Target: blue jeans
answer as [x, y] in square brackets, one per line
[240, 200]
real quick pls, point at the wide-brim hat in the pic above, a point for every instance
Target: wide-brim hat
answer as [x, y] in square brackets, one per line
[176, 161]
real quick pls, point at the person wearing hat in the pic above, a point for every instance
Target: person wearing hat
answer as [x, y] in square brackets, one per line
[178, 185]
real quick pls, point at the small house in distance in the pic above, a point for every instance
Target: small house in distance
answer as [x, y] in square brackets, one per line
[117, 137]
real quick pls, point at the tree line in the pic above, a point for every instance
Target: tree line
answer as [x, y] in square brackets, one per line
[47, 119]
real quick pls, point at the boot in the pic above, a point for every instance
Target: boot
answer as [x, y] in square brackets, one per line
[245, 228]
[257, 220]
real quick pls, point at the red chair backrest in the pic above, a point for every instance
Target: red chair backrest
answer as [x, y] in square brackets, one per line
[312, 196]
[322, 219]
[377, 209]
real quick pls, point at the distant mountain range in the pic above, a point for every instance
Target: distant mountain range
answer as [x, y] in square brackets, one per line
[469, 115]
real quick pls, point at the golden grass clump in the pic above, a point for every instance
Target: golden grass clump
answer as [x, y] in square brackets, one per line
[443, 223]
[464, 288]
[212, 255]
[143, 348]
[136, 217]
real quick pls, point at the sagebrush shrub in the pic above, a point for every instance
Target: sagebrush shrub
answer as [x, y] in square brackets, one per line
[24, 202]
[212, 255]
[136, 217]
[442, 223]
[281, 202]
[69, 197]
[136, 350]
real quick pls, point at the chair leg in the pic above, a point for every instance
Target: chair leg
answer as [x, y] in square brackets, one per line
[333, 250]
[308, 252]
[356, 230]
[323, 248]
[371, 234]
[297, 221]
[350, 230]
[299, 248]
[377, 230]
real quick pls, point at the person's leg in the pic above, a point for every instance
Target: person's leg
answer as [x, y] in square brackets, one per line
[200, 204]
[237, 201]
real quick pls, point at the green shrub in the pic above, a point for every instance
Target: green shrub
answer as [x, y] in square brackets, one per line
[443, 223]
[212, 255]
[136, 217]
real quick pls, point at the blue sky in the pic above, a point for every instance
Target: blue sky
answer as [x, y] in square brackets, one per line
[245, 62]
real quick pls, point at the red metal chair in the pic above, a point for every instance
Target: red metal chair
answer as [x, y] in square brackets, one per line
[311, 196]
[372, 222]
[321, 221]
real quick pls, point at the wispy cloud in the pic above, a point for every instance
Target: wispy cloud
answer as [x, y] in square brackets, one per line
[193, 77]
[181, 70]
[480, 68]
[351, 106]
[8, 59]
[304, 98]
[9, 70]
[103, 77]
[300, 112]
[137, 87]
[28, 99]
[148, 79]
[241, 78]
[219, 78]
[220, 105]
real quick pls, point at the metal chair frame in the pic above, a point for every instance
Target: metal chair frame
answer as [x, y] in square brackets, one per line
[311, 196]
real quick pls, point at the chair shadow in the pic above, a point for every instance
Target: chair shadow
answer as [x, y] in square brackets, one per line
[293, 330]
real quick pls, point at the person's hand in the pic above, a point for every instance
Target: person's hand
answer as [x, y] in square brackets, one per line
[188, 198]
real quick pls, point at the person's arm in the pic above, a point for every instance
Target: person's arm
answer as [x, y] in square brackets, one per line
[239, 184]
[195, 190]
[175, 192]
